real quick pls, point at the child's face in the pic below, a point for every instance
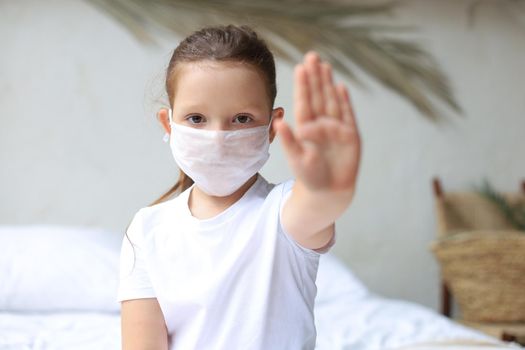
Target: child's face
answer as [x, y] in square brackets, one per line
[220, 96]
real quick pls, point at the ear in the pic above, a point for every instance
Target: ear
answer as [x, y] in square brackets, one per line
[162, 117]
[277, 113]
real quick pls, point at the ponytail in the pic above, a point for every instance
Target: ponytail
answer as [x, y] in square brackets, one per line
[181, 185]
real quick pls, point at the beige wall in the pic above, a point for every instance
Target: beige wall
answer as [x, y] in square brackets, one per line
[79, 143]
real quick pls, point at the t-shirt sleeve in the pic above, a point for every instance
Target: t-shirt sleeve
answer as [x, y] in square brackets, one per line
[285, 194]
[134, 281]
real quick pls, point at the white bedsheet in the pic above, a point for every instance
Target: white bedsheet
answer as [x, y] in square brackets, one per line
[368, 323]
[59, 331]
[77, 270]
[373, 322]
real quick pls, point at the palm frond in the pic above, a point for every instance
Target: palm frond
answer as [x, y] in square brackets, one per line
[514, 213]
[294, 27]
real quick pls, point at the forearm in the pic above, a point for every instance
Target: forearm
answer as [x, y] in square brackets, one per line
[309, 211]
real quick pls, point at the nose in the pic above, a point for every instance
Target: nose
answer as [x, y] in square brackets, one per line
[221, 125]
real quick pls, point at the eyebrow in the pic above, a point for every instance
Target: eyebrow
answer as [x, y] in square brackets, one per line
[241, 109]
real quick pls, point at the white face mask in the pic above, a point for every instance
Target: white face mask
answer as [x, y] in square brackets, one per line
[219, 161]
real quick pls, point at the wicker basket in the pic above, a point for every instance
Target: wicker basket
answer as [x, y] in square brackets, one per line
[485, 271]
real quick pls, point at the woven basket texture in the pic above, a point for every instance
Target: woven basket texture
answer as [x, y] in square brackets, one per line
[482, 257]
[485, 271]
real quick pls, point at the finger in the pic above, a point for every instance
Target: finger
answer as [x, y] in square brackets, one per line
[291, 146]
[313, 69]
[346, 106]
[315, 132]
[335, 131]
[330, 93]
[302, 109]
[326, 130]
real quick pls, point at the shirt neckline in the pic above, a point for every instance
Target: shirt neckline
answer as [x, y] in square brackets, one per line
[226, 213]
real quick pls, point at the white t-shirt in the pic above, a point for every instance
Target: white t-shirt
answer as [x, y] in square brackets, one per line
[233, 281]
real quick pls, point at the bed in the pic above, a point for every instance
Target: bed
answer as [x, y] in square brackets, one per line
[58, 291]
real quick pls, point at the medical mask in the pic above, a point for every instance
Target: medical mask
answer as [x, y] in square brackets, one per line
[219, 161]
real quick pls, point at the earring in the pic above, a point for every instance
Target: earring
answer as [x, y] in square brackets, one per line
[166, 137]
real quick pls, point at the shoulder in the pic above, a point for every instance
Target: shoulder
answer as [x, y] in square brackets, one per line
[272, 194]
[146, 218]
[154, 212]
[266, 189]
[280, 189]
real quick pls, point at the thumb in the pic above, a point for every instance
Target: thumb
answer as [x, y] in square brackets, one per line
[291, 146]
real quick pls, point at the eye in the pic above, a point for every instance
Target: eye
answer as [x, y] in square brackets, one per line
[243, 118]
[195, 119]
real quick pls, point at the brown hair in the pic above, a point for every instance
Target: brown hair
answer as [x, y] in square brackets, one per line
[230, 43]
[226, 44]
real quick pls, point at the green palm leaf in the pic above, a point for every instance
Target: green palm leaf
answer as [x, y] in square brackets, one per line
[514, 213]
[293, 27]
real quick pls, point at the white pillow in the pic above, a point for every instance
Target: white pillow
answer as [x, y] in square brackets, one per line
[58, 268]
[61, 268]
[335, 279]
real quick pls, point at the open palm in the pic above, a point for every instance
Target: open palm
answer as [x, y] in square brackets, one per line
[324, 151]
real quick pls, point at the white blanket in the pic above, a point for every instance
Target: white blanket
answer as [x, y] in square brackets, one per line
[374, 323]
[58, 291]
[370, 323]
[59, 331]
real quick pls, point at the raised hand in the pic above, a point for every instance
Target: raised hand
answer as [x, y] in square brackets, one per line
[324, 151]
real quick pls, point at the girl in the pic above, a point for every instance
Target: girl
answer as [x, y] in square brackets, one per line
[231, 262]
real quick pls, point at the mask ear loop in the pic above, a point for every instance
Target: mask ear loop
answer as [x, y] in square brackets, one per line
[166, 135]
[170, 116]
[271, 120]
